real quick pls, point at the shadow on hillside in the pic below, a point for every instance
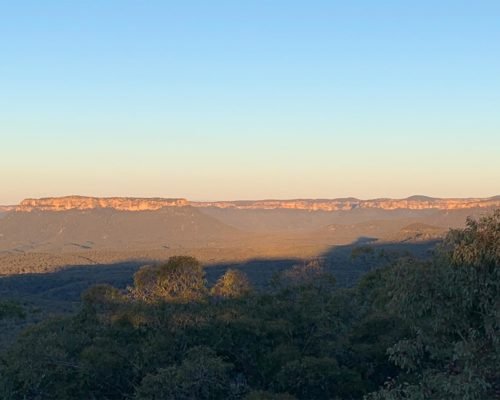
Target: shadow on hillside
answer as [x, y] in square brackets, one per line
[61, 290]
[348, 268]
[66, 285]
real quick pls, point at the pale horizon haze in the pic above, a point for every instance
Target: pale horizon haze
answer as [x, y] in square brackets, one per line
[227, 100]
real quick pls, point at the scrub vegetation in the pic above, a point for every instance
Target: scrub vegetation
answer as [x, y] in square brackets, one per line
[415, 329]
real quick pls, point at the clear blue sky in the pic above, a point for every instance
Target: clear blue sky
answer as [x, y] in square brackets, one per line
[242, 100]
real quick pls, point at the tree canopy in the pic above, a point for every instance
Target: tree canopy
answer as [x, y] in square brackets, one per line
[413, 330]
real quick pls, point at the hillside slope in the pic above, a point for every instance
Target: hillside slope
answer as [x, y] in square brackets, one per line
[111, 229]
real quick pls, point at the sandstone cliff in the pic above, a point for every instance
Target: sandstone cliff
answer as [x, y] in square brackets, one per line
[151, 204]
[411, 203]
[89, 203]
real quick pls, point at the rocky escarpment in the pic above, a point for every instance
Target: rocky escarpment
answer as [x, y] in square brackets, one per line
[411, 203]
[346, 204]
[90, 203]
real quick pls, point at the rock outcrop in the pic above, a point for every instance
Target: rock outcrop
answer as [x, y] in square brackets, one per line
[411, 203]
[151, 204]
[90, 203]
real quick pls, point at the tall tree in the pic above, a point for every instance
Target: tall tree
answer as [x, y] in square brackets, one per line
[452, 305]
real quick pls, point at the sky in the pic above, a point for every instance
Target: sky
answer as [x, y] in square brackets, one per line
[225, 100]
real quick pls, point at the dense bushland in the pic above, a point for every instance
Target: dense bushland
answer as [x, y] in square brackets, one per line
[412, 330]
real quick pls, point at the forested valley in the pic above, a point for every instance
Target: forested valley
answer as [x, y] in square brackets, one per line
[414, 329]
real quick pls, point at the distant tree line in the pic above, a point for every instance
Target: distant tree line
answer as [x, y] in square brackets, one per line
[412, 330]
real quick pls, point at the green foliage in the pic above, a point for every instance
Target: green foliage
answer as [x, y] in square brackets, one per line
[262, 395]
[102, 298]
[452, 306]
[9, 309]
[311, 274]
[201, 375]
[181, 279]
[413, 330]
[233, 284]
[315, 378]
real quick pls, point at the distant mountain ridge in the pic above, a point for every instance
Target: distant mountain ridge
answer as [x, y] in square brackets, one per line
[410, 203]
[342, 204]
[91, 203]
[82, 224]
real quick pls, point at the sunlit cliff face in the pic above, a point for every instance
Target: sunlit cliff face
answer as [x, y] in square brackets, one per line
[89, 203]
[349, 204]
[151, 204]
